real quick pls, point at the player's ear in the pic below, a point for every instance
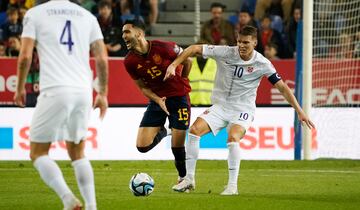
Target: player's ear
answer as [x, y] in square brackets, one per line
[139, 33]
[255, 41]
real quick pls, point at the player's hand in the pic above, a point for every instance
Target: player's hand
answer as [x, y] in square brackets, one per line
[162, 104]
[170, 72]
[304, 119]
[101, 102]
[20, 97]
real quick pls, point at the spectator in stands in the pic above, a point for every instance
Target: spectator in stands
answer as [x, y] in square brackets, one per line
[13, 48]
[357, 45]
[344, 48]
[12, 26]
[268, 35]
[111, 29]
[126, 13]
[273, 7]
[145, 9]
[2, 49]
[249, 5]
[201, 77]
[217, 31]
[271, 51]
[126, 7]
[325, 20]
[150, 9]
[20, 3]
[13, 3]
[244, 18]
[291, 32]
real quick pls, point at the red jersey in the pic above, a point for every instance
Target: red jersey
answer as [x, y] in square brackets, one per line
[151, 69]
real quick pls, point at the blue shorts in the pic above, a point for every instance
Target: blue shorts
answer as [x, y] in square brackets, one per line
[179, 109]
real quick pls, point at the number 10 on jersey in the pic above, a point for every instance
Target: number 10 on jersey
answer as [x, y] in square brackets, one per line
[65, 38]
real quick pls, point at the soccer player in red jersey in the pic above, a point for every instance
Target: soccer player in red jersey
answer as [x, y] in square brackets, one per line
[146, 63]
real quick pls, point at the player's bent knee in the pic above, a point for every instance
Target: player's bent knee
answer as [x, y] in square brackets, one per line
[144, 149]
[34, 156]
[233, 138]
[195, 130]
[76, 156]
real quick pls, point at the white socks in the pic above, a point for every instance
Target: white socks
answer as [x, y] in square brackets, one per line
[192, 154]
[51, 174]
[233, 162]
[85, 179]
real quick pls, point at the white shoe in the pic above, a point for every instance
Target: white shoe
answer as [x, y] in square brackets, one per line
[185, 185]
[74, 205]
[180, 179]
[230, 190]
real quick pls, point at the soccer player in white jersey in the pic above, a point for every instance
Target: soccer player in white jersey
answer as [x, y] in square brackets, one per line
[240, 69]
[63, 33]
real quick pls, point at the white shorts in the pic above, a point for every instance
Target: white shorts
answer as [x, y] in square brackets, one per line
[218, 118]
[61, 116]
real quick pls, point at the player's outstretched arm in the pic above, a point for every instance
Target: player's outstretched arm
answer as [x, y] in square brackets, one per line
[187, 67]
[98, 49]
[23, 67]
[188, 52]
[289, 96]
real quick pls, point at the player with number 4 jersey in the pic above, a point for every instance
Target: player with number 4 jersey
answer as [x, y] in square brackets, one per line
[63, 33]
[146, 63]
[240, 69]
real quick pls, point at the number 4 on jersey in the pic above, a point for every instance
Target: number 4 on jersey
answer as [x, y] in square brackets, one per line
[65, 37]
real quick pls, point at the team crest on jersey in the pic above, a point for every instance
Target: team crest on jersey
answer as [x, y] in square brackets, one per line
[177, 49]
[157, 59]
[250, 69]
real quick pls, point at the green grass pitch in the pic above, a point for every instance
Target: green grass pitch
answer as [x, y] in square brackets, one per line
[320, 184]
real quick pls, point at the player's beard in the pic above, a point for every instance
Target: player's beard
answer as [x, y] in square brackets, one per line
[131, 44]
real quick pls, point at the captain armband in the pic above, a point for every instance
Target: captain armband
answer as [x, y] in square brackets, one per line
[274, 78]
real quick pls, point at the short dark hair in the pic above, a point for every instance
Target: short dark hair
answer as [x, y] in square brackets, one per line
[272, 45]
[103, 4]
[244, 10]
[248, 31]
[11, 10]
[217, 4]
[136, 23]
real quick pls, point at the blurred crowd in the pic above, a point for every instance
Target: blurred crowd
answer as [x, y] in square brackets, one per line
[111, 15]
[276, 21]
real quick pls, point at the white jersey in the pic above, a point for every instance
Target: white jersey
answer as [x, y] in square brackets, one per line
[236, 80]
[63, 32]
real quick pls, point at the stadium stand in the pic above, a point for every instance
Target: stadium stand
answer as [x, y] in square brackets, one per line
[175, 23]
